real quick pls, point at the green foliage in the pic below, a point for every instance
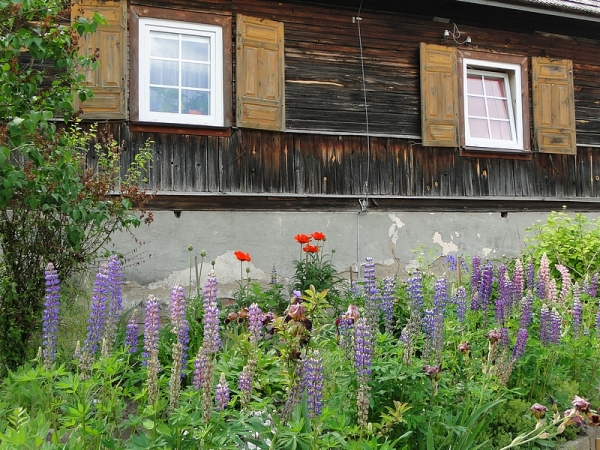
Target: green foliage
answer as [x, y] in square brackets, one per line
[52, 208]
[570, 240]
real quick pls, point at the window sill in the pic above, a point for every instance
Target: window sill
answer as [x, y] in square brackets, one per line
[497, 153]
[181, 129]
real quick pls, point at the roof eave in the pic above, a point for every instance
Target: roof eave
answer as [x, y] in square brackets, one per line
[537, 10]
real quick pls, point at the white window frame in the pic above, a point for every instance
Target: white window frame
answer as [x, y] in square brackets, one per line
[511, 73]
[215, 33]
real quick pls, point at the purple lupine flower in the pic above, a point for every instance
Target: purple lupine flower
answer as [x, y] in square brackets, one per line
[526, 308]
[363, 348]
[151, 329]
[50, 320]
[598, 321]
[245, 384]
[503, 300]
[452, 262]
[131, 335]
[313, 383]
[464, 265]
[212, 340]
[440, 300]
[200, 369]
[519, 349]
[461, 303]
[504, 337]
[545, 324]
[543, 277]
[372, 293]
[485, 288]
[567, 284]
[255, 323]
[273, 275]
[518, 281]
[555, 328]
[593, 289]
[577, 310]
[222, 393]
[181, 326]
[98, 311]
[387, 303]
[428, 328]
[295, 392]
[415, 290]
[475, 273]
[531, 275]
[115, 299]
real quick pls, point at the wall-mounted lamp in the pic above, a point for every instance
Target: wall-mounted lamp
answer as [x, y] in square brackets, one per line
[455, 35]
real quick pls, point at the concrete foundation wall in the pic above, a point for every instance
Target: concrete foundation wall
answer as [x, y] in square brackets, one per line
[163, 259]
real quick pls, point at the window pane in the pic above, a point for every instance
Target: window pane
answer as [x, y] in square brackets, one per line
[164, 45]
[494, 87]
[477, 107]
[195, 75]
[474, 85]
[164, 99]
[478, 128]
[498, 109]
[164, 72]
[195, 48]
[195, 102]
[500, 130]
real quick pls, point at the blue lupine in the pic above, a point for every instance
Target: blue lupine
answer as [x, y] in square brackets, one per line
[313, 383]
[245, 384]
[181, 326]
[531, 275]
[98, 311]
[545, 324]
[363, 348]
[115, 299]
[526, 308]
[222, 394]
[452, 262]
[254, 323]
[504, 337]
[131, 334]
[593, 289]
[461, 303]
[519, 349]
[50, 320]
[555, 327]
[503, 300]
[577, 310]
[151, 330]
[200, 370]
[212, 339]
[475, 273]
[387, 303]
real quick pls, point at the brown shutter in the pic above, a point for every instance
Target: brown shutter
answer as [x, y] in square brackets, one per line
[439, 96]
[110, 44]
[260, 74]
[553, 106]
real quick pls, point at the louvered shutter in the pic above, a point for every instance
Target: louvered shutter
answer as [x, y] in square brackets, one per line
[439, 96]
[110, 43]
[553, 106]
[260, 77]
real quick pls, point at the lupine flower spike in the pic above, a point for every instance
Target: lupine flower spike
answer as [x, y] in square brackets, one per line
[50, 321]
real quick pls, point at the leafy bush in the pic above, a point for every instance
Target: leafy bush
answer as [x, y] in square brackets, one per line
[570, 240]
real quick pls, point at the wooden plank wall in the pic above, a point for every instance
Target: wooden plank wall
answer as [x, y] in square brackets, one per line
[259, 162]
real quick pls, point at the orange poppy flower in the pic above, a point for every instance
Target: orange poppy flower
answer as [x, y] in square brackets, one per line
[241, 256]
[318, 236]
[310, 248]
[302, 238]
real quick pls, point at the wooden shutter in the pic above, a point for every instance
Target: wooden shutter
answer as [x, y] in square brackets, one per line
[553, 106]
[260, 74]
[109, 42]
[439, 96]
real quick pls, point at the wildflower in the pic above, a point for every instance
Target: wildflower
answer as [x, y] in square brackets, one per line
[255, 323]
[151, 328]
[464, 347]
[387, 303]
[212, 340]
[313, 382]
[273, 275]
[131, 335]
[519, 349]
[531, 275]
[310, 249]
[200, 369]
[552, 291]
[545, 324]
[451, 261]
[363, 348]
[526, 307]
[302, 238]
[296, 312]
[518, 282]
[176, 375]
[318, 236]
[114, 299]
[538, 410]
[504, 337]
[434, 373]
[543, 277]
[475, 273]
[222, 394]
[566, 286]
[555, 327]
[410, 333]
[485, 289]
[241, 256]
[245, 385]
[593, 289]
[580, 404]
[181, 327]
[98, 312]
[50, 320]
[295, 393]
[461, 303]
[577, 310]
[372, 294]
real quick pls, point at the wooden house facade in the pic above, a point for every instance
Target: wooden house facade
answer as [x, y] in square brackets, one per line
[337, 106]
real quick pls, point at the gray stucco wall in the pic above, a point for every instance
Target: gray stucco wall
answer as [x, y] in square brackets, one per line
[163, 259]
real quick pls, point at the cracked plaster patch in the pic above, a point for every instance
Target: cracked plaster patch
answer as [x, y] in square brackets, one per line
[393, 231]
[447, 247]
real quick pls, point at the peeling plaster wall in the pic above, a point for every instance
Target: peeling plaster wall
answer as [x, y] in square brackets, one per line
[390, 238]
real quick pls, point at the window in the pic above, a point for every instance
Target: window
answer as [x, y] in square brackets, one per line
[180, 72]
[479, 102]
[492, 112]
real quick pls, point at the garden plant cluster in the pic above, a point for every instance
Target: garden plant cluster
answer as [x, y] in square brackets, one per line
[483, 356]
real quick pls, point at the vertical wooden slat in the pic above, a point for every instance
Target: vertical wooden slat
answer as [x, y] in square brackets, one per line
[109, 43]
[260, 74]
[553, 105]
[439, 96]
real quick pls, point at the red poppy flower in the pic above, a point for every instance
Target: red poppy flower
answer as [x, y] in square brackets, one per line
[310, 248]
[302, 238]
[318, 236]
[241, 256]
